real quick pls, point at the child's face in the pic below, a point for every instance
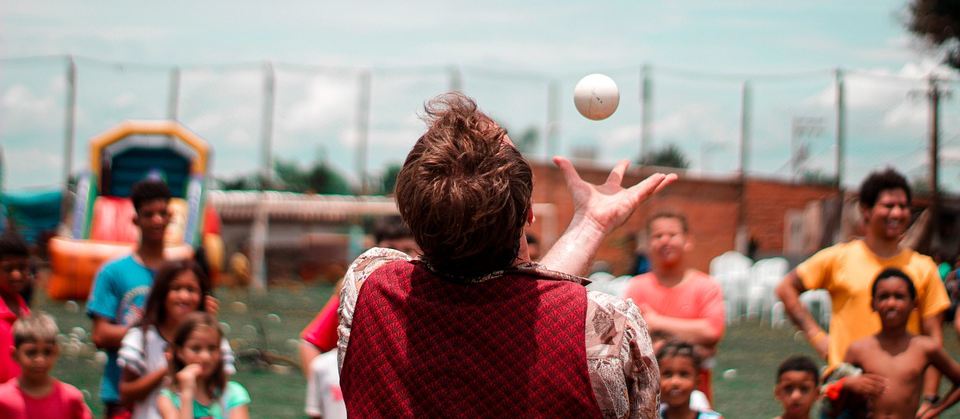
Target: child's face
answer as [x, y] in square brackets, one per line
[202, 347]
[14, 274]
[796, 391]
[36, 359]
[183, 297]
[152, 218]
[678, 378]
[892, 301]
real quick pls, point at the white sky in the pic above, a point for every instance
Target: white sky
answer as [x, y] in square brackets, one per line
[506, 51]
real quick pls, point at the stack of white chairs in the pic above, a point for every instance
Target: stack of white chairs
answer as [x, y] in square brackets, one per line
[765, 275]
[732, 269]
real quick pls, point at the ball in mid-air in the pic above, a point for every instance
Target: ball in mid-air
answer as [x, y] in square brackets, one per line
[596, 96]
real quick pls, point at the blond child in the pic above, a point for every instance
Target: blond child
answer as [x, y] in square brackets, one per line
[35, 394]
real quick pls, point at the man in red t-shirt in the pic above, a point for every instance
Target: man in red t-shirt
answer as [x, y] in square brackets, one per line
[677, 301]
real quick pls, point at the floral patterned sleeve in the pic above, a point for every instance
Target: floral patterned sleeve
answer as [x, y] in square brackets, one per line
[623, 368]
[359, 271]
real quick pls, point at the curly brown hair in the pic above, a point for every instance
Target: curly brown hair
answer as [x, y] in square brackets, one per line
[464, 190]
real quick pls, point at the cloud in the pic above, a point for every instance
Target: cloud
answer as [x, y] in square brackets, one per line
[325, 102]
[124, 100]
[23, 109]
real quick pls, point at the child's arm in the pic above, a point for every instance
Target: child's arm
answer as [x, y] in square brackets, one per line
[865, 385]
[134, 387]
[240, 412]
[238, 401]
[949, 368]
[107, 335]
[187, 383]
[169, 411]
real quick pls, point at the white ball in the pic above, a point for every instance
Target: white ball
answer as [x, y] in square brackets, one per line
[596, 97]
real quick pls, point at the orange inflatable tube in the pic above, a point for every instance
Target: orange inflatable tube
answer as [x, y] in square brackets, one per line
[76, 262]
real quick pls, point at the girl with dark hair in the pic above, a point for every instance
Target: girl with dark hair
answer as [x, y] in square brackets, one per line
[180, 289]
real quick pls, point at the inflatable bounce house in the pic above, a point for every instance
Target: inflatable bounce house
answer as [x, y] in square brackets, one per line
[100, 222]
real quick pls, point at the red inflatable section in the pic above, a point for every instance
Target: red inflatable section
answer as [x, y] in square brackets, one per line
[113, 220]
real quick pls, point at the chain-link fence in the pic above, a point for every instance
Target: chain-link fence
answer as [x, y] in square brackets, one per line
[362, 120]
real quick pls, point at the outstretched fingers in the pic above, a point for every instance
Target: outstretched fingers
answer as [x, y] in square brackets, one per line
[651, 185]
[570, 175]
[616, 175]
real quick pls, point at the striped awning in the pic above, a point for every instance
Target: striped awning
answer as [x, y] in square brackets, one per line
[236, 206]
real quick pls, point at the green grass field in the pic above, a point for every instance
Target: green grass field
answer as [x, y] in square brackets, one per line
[751, 349]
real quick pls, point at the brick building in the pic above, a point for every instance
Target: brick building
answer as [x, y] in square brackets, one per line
[782, 218]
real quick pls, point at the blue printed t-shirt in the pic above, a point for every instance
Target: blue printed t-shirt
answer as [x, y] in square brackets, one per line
[119, 293]
[233, 395]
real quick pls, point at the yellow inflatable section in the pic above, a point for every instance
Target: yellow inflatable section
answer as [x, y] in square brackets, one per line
[102, 217]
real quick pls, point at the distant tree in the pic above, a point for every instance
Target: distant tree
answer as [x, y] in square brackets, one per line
[323, 179]
[318, 178]
[668, 156]
[816, 177]
[239, 183]
[527, 140]
[388, 182]
[938, 22]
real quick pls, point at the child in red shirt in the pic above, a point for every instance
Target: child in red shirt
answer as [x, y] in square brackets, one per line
[15, 275]
[35, 394]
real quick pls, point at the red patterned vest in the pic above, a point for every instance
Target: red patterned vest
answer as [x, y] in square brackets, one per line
[508, 347]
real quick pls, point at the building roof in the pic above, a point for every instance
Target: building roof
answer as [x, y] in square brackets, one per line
[288, 206]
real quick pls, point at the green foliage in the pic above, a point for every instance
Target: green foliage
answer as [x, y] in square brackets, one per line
[240, 183]
[318, 178]
[816, 177]
[938, 22]
[388, 182]
[669, 156]
[527, 140]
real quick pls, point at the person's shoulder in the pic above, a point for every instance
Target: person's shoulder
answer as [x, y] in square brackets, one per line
[12, 385]
[373, 259]
[704, 279]
[119, 263]
[924, 342]
[611, 303]
[234, 386]
[864, 344]
[69, 391]
[236, 394]
[647, 277]
[616, 309]
[135, 332]
[920, 260]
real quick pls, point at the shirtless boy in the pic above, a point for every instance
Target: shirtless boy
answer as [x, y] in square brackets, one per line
[893, 361]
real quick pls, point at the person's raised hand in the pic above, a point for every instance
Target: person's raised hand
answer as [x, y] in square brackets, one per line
[187, 377]
[608, 205]
[598, 210]
[212, 305]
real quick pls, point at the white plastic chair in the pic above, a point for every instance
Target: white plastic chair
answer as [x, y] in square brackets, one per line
[764, 277]
[732, 269]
